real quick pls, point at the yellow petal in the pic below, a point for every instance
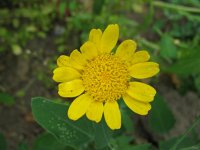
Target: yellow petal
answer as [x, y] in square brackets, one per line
[77, 60]
[63, 61]
[126, 50]
[79, 106]
[95, 37]
[112, 115]
[71, 89]
[141, 92]
[89, 50]
[144, 70]
[138, 107]
[64, 74]
[140, 56]
[95, 111]
[109, 38]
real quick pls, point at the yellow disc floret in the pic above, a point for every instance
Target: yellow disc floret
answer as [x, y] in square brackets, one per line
[105, 78]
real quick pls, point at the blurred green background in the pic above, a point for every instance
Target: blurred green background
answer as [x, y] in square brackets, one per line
[34, 33]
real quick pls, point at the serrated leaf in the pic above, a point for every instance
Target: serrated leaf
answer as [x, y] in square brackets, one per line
[52, 116]
[161, 119]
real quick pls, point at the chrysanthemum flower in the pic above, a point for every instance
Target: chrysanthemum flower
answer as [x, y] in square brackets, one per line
[98, 78]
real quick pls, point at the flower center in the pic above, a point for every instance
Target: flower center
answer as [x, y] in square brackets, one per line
[105, 78]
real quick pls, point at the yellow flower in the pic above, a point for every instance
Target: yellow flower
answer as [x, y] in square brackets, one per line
[100, 78]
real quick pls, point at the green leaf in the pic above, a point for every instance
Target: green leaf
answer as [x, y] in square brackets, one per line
[197, 82]
[3, 143]
[72, 6]
[127, 121]
[185, 135]
[141, 147]
[47, 141]
[187, 142]
[52, 116]
[193, 147]
[23, 146]
[167, 47]
[6, 99]
[187, 66]
[161, 119]
[3, 32]
[47, 9]
[62, 7]
[97, 6]
[122, 142]
[17, 50]
[102, 135]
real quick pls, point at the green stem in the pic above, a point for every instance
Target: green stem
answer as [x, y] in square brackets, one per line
[185, 134]
[148, 44]
[176, 7]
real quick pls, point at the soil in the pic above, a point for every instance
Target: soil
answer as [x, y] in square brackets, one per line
[19, 75]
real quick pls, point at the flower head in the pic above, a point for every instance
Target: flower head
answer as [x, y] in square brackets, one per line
[98, 78]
